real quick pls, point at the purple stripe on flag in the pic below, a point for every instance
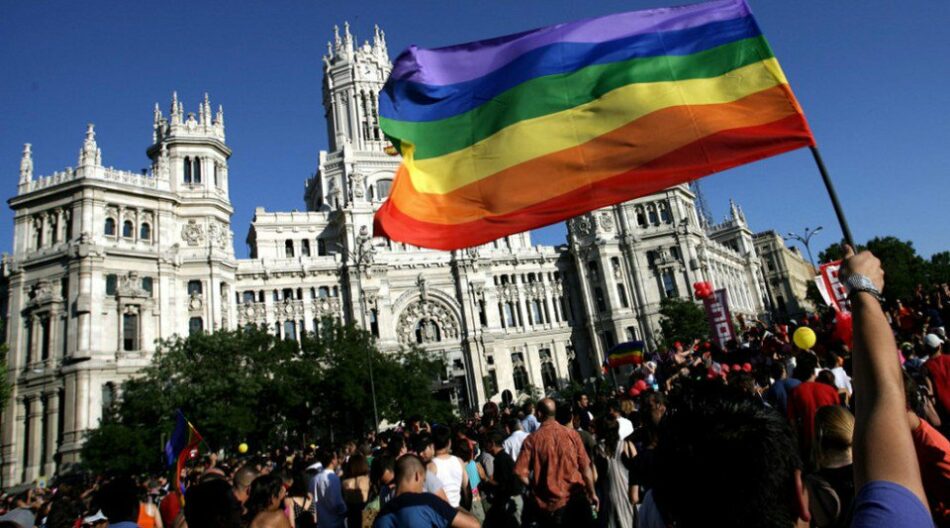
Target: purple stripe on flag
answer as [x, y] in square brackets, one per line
[464, 62]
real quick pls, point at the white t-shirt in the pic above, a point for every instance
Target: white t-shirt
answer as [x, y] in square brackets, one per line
[842, 380]
[450, 471]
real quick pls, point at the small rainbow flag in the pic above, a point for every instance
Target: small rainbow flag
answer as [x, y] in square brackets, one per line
[180, 447]
[517, 132]
[629, 353]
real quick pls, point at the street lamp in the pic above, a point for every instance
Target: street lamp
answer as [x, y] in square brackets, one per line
[806, 240]
[364, 254]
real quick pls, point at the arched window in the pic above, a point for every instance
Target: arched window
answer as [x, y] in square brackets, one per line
[321, 247]
[145, 231]
[110, 227]
[290, 330]
[509, 314]
[130, 331]
[127, 229]
[382, 188]
[187, 168]
[537, 312]
[622, 293]
[216, 182]
[654, 219]
[194, 287]
[196, 325]
[520, 376]
[289, 248]
[108, 396]
[599, 297]
[305, 248]
[248, 297]
[665, 214]
[641, 217]
[324, 292]
[548, 376]
[147, 284]
[197, 170]
[112, 283]
[592, 267]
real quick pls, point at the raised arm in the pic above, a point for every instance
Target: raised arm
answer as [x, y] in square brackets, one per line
[883, 447]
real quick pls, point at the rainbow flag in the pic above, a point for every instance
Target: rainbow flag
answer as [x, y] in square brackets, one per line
[629, 353]
[509, 134]
[181, 446]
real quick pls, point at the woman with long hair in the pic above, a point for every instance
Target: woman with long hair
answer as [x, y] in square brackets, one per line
[831, 486]
[265, 503]
[298, 503]
[355, 485]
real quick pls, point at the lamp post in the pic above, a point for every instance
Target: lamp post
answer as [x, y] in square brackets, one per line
[364, 251]
[805, 240]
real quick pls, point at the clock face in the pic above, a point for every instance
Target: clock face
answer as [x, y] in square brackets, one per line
[367, 71]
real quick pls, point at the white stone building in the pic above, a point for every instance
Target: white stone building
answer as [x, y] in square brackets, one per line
[106, 261]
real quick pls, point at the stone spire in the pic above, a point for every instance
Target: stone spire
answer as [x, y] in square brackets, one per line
[90, 154]
[336, 36]
[176, 110]
[159, 124]
[219, 119]
[379, 41]
[26, 164]
[206, 110]
[736, 212]
[347, 37]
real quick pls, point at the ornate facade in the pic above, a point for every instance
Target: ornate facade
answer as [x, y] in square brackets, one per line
[107, 261]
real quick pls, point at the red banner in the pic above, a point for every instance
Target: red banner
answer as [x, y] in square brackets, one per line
[720, 320]
[830, 287]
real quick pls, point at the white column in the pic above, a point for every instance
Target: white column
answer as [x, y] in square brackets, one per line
[52, 432]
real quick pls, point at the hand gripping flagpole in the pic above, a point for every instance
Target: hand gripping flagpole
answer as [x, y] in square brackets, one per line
[834, 197]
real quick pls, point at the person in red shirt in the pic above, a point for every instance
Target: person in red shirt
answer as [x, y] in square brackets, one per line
[933, 455]
[906, 319]
[807, 398]
[937, 370]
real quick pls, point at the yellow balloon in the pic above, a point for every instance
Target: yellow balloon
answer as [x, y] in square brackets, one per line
[242, 448]
[804, 338]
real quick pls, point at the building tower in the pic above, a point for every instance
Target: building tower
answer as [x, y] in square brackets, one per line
[105, 262]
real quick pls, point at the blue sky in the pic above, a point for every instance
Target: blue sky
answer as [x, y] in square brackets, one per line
[872, 77]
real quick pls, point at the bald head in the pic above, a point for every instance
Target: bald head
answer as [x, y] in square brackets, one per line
[410, 474]
[242, 482]
[546, 409]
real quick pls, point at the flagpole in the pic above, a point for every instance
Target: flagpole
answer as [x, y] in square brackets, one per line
[834, 196]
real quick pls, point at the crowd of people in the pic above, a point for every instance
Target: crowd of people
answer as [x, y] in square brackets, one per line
[852, 432]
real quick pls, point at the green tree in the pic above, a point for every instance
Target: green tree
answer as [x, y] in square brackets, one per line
[938, 269]
[404, 381]
[248, 386]
[904, 269]
[681, 320]
[834, 252]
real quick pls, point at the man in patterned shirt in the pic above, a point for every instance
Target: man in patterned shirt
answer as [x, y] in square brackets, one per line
[555, 466]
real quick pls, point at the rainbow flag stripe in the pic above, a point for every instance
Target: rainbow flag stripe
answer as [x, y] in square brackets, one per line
[509, 134]
[630, 353]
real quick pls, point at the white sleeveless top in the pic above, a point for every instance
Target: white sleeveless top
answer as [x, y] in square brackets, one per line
[450, 472]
